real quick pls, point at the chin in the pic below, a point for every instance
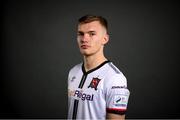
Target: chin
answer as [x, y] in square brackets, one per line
[85, 53]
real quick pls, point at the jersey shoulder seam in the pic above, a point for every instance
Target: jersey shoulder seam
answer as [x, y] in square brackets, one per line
[114, 68]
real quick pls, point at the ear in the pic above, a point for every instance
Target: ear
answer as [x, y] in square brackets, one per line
[105, 39]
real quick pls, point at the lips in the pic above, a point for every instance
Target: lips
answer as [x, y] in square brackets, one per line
[85, 46]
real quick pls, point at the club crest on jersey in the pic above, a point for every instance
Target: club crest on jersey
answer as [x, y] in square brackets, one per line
[94, 83]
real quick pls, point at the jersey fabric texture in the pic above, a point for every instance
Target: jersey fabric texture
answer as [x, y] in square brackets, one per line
[94, 93]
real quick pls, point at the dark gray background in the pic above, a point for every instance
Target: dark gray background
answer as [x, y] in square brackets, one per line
[38, 47]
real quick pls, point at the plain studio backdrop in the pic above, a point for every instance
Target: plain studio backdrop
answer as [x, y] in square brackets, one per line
[38, 48]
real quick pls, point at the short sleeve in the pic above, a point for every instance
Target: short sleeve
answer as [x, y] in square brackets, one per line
[117, 94]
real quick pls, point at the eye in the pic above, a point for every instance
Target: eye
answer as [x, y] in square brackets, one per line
[80, 34]
[92, 33]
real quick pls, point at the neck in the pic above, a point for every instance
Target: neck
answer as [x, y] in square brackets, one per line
[93, 61]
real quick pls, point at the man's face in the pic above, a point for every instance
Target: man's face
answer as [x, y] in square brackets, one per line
[91, 38]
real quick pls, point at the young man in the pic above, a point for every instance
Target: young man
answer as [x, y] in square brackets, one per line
[96, 88]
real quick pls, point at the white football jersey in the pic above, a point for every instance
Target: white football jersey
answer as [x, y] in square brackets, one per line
[94, 93]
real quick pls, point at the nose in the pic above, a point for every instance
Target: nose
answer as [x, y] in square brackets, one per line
[85, 38]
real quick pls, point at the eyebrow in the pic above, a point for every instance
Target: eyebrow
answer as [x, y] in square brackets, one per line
[91, 31]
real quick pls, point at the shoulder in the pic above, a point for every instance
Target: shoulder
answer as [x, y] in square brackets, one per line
[75, 68]
[113, 69]
[115, 76]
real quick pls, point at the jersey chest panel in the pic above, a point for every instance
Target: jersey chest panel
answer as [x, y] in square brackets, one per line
[91, 90]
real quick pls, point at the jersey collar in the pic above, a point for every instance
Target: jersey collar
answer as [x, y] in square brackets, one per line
[99, 66]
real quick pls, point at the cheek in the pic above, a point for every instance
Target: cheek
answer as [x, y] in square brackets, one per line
[98, 41]
[97, 44]
[78, 41]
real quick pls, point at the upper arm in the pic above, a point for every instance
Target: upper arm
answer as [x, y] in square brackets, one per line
[115, 116]
[117, 97]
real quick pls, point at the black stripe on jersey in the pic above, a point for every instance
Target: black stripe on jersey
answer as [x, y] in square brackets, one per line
[114, 68]
[77, 101]
[82, 80]
[75, 109]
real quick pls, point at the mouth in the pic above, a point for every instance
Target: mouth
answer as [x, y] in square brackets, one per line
[85, 46]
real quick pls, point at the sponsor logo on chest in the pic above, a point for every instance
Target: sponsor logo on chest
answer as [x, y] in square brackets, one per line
[83, 96]
[79, 94]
